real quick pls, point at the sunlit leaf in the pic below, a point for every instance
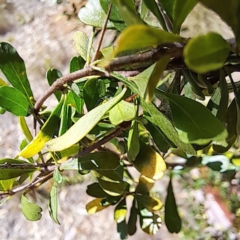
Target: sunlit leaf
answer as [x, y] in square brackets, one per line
[151, 203]
[112, 188]
[192, 120]
[172, 218]
[216, 51]
[13, 67]
[30, 210]
[121, 112]
[149, 163]
[83, 126]
[13, 101]
[94, 190]
[95, 206]
[46, 133]
[144, 36]
[145, 185]
[120, 211]
[7, 184]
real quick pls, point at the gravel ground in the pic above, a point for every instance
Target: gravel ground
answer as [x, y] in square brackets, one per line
[43, 38]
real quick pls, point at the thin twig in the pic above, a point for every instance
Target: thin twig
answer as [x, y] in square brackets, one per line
[95, 57]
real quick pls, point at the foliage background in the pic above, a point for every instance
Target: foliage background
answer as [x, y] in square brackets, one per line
[35, 29]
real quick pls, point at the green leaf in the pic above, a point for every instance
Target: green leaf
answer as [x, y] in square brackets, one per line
[30, 210]
[144, 185]
[7, 184]
[120, 211]
[158, 137]
[75, 101]
[81, 43]
[149, 163]
[218, 103]
[133, 142]
[216, 51]
[122, 112]
[65, 117]
[44, 135]
[149, 222]
[53, 204]
[144, 36]
[172, 218]
[155, 77]
[13, 67]
[127, 11]
[180, 12]
[76, 63]
[122, 229]
[93, 161]
[114, 17]
[112, 188]
[132, 221]
[153, 7]
[229, 13]
[95, 206]
[13, 101]
[93, 14]
[52, 75]
[158, 119]
[25, 129]
[12, 168]
[192, 120]
[94, 190]
[83, 126]
[151, 203]
[231, 126]
[168, 7]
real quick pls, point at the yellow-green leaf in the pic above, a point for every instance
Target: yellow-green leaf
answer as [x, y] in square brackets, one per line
[24, 128]
[95, 206]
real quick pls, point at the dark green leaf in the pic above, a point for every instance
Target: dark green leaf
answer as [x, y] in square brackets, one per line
[168, 7]
[30, 210]
[180, 12]
[132, 221]
[76, 63]
[192, 120]
[13, 101]
[172, 218]
[153, 7]
[216, 51]
[11, 168]
[114, 17]
[94, 190]
[133, 142]
[122, 229]
[128, 12]
[112, 188]
[93, 161]
[120, 211]
[52, 75]
[13, 67]
[229, 13]
[150, 203]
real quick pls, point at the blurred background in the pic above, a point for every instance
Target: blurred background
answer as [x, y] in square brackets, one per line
[41, 31]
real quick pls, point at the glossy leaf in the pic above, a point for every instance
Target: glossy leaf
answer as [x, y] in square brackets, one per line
[93, 161]
[189, 121]
[172, 218]
[128, 12]
[114, 17]
[180, 12]
[133, 142]
[154, 8]
[30, 210]
[52, 75]
[216, 51]
[13, 101]
[46, 133]
[229, 13]
[155, 77]
[25, 129]
[157, 118]
[13, 67]
[149, 163]
[120, 211]
[12, 168]
[112, 188]
[219, 101]
[93, 14]
[83, 126]
[95, 206]
[231, 126]
[144, 36]
[122, 112]
[81, 43]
